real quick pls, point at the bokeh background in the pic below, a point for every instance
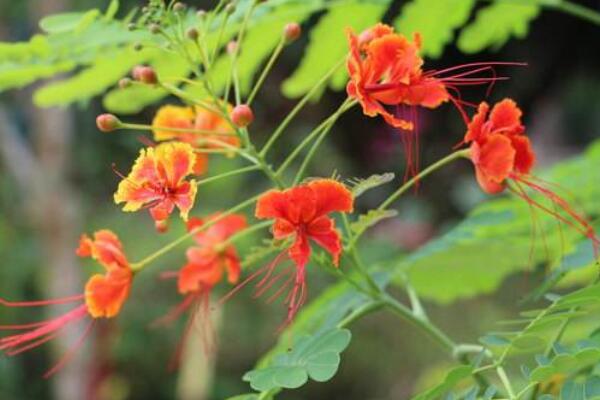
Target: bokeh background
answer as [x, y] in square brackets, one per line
[56, 182]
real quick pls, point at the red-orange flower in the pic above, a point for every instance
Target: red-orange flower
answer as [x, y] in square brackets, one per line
[206, 264]
[200, 127]
[499, 148]
[302, 214]
[386, 75]
[211, 258]
[501, 153]
[386, 70]
[158, 181]
[104, 297]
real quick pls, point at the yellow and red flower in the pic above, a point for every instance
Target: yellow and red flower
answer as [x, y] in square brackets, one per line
[103, 297]
[502, 153]
[302, 214]
[158, 181]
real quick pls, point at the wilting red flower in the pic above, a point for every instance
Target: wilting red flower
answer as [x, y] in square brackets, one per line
[104, 297]
[207, 262]
[200, 127]
[157, 181]
[501, 153]
[302, 214]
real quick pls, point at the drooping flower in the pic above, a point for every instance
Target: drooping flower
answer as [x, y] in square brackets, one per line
[207, 263]
[202, 128]
[103, 297]
[158, 181]
[502, 154]
[301, 214]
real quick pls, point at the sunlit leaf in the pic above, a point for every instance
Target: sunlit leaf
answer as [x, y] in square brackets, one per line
[495, 24]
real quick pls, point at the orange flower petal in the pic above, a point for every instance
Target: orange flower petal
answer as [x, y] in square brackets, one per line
[105, 295]
[172, 117]
[330, 196]
[494, 161]
[524, 157]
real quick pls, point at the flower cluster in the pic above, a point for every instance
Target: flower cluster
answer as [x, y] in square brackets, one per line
[387, 78]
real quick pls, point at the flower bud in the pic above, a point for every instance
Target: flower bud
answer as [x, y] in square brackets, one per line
[192, 33]
[179, 7]
[232, 47]
[131, 26]
[161, 226]
[144, 74]
[201, 14]
[107, 122]
[242, 115]
[138, 46]
[124, 83]
[154, 28]
[230, 8]
[291, 32]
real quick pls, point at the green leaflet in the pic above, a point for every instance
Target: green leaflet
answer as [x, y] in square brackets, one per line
[359, 185]
[371, 218]
[133, 99]
[566, 361]
[495, 24]
[435, 20]
[317, 357]
[328, 44]
[16, 76]
[67, 22]
[453, 377]
[92, 81]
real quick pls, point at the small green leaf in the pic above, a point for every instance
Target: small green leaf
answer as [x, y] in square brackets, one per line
[453, 377]
[434, 20]
[371, 218]
[496, 23]
[316, 356]
[67, 22]
[111, 10]
[360, 186]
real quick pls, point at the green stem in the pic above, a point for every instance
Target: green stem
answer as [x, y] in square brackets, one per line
[168, 128]
[406, 186]
[266, 71]
[425, 326]
[228, 174]
[578, 10]
[138, 266]
[505, 381]
[360, 312]
[298, 107]
[311, 135]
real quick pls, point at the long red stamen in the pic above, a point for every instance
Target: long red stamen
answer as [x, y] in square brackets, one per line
[581, 224]
[478, 64]
[49, 327]
[69, 354]
[40, 303]
[175, 312]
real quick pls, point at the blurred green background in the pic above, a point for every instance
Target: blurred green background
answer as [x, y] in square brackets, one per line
[56, 182]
